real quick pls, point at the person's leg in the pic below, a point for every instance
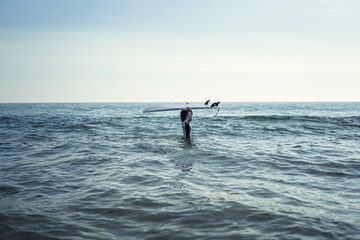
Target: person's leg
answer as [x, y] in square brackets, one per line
[187, 130]
[183, 128]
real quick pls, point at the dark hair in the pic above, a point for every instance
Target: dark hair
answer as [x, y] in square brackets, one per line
[183, 114]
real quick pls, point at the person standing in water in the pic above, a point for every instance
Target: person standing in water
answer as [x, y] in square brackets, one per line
[186, 118]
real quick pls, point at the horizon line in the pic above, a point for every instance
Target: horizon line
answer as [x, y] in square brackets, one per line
[305, 101]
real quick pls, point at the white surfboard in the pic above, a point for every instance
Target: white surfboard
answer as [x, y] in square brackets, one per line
[178, 107]
[172, 108]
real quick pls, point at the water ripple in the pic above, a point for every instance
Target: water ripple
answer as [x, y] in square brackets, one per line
[107, 171]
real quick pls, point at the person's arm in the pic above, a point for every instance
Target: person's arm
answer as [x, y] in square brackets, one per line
[189, 115]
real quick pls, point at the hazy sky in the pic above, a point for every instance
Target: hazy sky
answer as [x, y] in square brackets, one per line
[179, 50]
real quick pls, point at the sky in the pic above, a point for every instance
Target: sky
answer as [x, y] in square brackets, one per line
[179, 50]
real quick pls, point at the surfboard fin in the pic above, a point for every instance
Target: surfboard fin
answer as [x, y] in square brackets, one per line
[207, 102]
[213, 105]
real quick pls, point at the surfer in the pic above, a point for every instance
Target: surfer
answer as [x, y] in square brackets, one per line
[186, 118]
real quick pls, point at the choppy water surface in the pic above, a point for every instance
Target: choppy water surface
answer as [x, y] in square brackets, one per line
[108, 171]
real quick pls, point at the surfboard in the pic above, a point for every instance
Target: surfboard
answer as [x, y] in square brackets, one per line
[172, 108]
[180, 106]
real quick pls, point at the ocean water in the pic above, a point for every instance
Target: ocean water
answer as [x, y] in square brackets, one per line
[108, 171]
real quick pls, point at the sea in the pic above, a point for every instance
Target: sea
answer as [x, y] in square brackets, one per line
[280, 170]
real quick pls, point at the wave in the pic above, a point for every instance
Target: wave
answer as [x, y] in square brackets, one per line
[312, 118]
[349, 121]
